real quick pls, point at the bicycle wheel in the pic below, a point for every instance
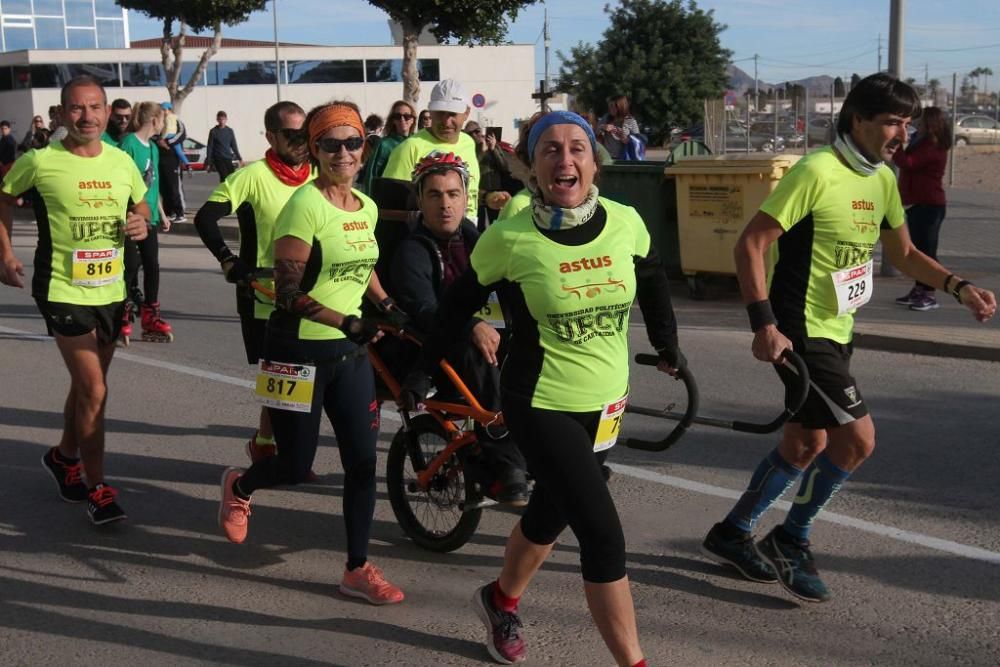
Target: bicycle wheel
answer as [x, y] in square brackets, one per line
[433, 518]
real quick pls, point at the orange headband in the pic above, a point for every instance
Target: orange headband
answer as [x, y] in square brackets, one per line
[335, 115]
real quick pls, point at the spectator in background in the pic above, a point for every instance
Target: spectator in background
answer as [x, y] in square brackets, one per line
[57, 131]
[402, 118]
[8, 147]
[121, 115]
[424, 120]
[172, 159]
[616, 126]
[921, 171]
[373, 125]
[494, 173]
[222, 148]
[37, 123]
[603, 156]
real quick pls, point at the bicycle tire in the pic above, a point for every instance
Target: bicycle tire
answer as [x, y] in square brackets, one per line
[438, 522]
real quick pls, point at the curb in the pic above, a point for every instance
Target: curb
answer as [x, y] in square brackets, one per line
[229, 232]
[926, 347]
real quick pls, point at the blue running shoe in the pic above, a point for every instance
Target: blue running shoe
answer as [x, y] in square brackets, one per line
[795, 565]
[737, 551]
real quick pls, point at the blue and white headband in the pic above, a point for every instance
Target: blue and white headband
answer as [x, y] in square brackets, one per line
[559, 118]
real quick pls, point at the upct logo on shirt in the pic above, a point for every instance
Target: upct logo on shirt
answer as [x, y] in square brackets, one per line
[358, 271]
[97, 229]
[587, 323]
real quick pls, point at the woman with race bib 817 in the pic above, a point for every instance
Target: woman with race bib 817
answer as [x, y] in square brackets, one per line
[314, 355]
[568, 269]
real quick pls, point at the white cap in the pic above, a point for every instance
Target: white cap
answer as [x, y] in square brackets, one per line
[449, 95]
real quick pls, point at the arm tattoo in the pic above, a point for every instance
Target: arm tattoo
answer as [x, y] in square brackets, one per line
[288, 294]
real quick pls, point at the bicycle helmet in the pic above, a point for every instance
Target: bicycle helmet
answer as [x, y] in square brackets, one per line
[437, 162]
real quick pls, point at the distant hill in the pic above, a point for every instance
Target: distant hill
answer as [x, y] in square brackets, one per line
[740, 82]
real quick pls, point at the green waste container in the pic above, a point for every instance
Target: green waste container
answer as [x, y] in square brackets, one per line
[643, 186]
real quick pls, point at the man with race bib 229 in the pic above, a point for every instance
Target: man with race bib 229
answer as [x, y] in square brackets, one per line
[826, 215]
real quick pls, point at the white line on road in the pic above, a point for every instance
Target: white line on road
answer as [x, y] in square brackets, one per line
[879, 529]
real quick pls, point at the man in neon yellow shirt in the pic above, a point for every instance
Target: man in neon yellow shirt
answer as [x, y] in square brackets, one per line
[449, 107]
[90, 197]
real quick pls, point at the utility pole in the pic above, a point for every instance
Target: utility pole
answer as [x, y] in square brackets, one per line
[896, 11]
[277, 60]
[547, 42]
[879, 53]
[954, 114]
[927, 81]
[756, 102]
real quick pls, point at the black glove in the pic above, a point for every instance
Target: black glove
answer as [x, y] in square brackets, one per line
[672, 355]
[359, 330]
[414, 389]
[238, 272]
[393, 314]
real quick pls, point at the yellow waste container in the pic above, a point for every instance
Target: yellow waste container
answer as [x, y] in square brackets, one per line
[716, 197]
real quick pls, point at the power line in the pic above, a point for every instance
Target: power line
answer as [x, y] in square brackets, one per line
[964, 48]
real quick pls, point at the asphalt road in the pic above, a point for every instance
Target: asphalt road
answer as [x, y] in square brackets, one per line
[910, 547]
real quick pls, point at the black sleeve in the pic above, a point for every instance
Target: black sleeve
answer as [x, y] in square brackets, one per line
[458, 304]
[235, 148]
[412, 279]
[206, 221]
[209, 146]
[653, 293]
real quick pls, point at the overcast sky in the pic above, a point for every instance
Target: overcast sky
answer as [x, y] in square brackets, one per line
[794, 39]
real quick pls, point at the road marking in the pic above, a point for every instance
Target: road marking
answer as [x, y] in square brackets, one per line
[879, 529]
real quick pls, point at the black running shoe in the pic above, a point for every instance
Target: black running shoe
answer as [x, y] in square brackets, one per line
[739, 552]
[101, 506]
[68, 477]
[795, 565]
[503, 628]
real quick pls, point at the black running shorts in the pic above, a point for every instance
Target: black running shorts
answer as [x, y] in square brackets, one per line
[67, 319]
[834, 398]
[252, 327]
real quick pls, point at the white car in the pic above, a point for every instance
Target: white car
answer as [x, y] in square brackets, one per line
[976, 130]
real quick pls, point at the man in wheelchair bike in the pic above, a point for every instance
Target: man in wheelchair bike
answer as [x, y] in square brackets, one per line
[423, 265]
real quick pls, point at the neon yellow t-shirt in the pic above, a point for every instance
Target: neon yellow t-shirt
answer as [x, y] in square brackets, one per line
[343, 256]
[81, 207]
[405, 156]
[832, 217]
[579, 298]
[517, 203]
[256, 185]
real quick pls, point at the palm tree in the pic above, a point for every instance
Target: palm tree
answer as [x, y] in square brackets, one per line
[934, 86]
[987, 73]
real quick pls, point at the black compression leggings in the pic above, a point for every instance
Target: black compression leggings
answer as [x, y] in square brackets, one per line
[345, 390]
[147, 254]
[569, 486]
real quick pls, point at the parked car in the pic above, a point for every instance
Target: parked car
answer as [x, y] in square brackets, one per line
[195, 152]
[736, 138]
[786, 130]
[820, 131]
[976, 130]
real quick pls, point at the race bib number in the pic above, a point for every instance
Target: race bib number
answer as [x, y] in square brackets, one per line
[93, 268]
[491, 312]
[853, 286]
[610, 425]
[286, 386]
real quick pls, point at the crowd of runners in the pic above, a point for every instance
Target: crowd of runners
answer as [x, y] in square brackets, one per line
[327, 278]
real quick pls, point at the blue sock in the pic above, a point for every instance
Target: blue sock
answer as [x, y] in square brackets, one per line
[822, 479]
[772, 478]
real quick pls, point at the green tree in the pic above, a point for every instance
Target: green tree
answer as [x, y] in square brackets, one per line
[664, 54]
[855, 80]
[465, 21]
[934, 87]
[197, 16]
[838, 87]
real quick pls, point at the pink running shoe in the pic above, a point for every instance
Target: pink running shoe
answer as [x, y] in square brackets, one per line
[234, 512]
[368, 583]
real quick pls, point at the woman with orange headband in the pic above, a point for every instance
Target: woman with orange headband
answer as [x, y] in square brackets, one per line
[324, 254]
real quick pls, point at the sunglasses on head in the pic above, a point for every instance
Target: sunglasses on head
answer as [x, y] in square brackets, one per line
[331, 145]
[292, 135]
[402, 116]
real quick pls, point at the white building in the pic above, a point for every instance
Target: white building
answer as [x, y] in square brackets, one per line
[240, 79]
[55, 24]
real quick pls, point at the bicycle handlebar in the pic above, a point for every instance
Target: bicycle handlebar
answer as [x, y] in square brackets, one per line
[684, 420]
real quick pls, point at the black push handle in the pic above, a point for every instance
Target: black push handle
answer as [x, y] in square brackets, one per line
[684, 420]
[797, 389]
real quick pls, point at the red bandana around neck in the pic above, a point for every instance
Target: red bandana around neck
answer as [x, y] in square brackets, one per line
[288, 175]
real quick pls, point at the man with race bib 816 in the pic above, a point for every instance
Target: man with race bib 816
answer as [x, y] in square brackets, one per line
[825, 216]
[90, 197]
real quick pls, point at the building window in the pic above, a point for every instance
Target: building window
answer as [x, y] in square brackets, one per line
[382, 71]
[6, 79]
[81, 38]
[22, 7]
[50, 33]
[16, 38]
[48, 7]
[187, 69]
[110, 34]
[79, 14]
[106, 73]
[245, 74]
[108, 9]
[56, 76]
[326, 71]
[142, 74]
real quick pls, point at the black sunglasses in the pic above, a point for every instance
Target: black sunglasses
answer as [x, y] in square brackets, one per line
[402, 116]
[331, 145]
[292, 135]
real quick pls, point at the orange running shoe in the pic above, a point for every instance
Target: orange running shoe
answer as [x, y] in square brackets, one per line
[368, 583]
[234, 512]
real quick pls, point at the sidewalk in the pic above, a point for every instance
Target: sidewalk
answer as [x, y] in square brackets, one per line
[970, 246]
